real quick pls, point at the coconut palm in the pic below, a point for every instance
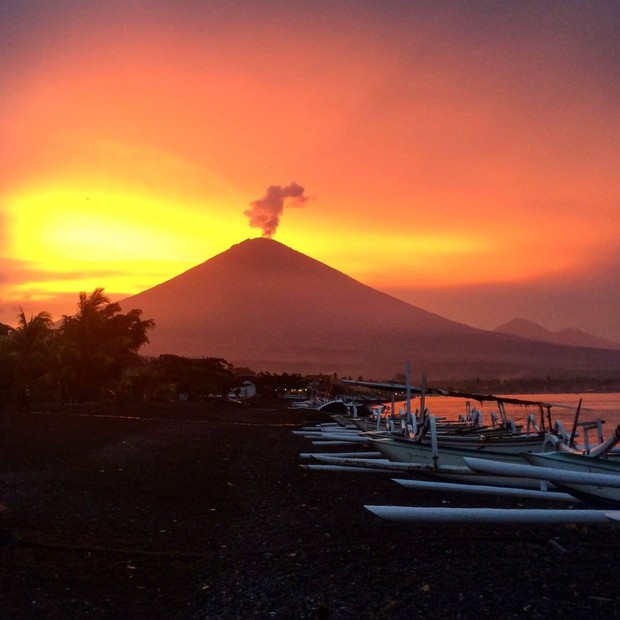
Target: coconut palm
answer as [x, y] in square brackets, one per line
[104, 341]
[29, 346]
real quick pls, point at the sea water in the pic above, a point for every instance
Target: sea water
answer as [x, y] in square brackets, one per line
[594, 406]
[604, 406]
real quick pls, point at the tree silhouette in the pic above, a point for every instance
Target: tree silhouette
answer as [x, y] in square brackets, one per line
[102, 342]
[29, 345]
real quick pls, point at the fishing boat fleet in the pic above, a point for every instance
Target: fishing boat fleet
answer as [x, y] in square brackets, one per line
[531, 458]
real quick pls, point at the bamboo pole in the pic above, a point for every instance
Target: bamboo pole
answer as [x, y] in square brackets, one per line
[535, 516]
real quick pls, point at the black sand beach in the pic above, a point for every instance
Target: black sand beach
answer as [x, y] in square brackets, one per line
[203, 512]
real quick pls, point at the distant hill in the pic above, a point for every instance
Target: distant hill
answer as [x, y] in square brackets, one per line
[265, 306]
[570, 336]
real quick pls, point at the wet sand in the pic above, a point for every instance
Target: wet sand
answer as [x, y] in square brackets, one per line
[202, 511]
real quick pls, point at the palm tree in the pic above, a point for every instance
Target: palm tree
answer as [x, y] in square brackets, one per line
[105, 341]
[29, 346]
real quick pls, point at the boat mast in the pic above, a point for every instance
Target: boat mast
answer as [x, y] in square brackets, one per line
[571, 442]
[408, 392]
[423, 400]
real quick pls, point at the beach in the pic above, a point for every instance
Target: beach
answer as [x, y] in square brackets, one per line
[200, 510]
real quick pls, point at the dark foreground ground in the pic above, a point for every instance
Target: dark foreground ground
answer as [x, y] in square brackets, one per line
[209, 516]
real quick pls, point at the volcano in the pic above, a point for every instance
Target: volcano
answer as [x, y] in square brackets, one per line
[265, 306]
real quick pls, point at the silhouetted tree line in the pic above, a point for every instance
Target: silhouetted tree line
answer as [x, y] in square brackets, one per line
[272, 385]
[538, 385]
[78, 358]
[173, 376]
[94, 354]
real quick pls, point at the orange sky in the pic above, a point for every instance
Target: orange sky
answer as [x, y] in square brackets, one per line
[463, 157]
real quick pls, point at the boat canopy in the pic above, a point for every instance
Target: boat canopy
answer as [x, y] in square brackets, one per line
[414, 389]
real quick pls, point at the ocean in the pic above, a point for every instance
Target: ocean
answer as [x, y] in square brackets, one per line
[605, 406]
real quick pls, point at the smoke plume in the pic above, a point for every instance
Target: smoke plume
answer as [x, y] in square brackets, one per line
[265, 212]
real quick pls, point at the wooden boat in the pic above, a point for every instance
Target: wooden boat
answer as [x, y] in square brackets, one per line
[444, 450]
[544, 408]
[450, 452]
[604, 448]
[324, 409]
[449, 443]
[594, 494]
[467, 432]
[407, 451]
[461, 474]
[591, 479]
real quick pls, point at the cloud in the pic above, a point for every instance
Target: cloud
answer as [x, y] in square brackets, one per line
[588, 301]
[20, 271]
[266, 211]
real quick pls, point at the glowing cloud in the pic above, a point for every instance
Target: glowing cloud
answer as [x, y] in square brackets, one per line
[266, 211]
[453, 147]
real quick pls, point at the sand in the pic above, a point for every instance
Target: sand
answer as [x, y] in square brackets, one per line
[202, 511]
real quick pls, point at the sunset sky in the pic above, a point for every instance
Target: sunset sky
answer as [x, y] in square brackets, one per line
[463, 156]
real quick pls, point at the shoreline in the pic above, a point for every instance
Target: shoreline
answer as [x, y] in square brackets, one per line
[210, 516]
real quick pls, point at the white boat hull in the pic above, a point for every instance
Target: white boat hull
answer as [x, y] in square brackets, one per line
[411, 452]
[492, 515]
[593, 487]
[451, 473]
[595, 494]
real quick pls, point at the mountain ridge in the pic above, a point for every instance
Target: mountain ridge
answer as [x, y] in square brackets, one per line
[570, 336]
[266, 306]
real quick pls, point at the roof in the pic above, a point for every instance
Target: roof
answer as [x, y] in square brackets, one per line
[414, 389]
